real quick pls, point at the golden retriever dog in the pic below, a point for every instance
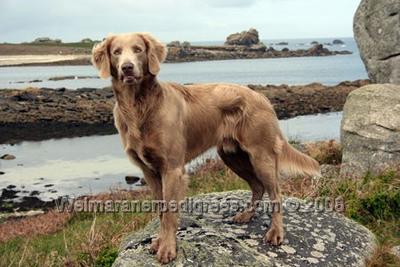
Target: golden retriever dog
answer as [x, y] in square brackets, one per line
[165, 125]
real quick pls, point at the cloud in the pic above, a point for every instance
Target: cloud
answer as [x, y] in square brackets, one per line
[194, 20]
[231, 3]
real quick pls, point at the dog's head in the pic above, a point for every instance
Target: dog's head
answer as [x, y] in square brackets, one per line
[128, 58]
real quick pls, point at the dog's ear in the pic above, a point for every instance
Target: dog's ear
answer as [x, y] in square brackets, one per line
[156, 52]
[101, 57]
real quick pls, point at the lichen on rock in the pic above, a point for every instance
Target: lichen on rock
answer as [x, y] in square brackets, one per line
[376, 29]
[370, 130]
[212, 239]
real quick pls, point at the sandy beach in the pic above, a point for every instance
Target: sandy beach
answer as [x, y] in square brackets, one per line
[16, 60]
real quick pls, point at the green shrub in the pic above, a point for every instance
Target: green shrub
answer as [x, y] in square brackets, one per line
[106, 257]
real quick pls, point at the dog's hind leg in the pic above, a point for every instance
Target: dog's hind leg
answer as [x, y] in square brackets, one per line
[265, 165]
[238, 161]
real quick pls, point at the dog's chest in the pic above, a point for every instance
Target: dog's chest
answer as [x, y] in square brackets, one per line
[145, 154]
[141, 141]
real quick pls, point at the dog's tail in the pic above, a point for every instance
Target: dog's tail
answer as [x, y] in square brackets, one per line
[294, 162]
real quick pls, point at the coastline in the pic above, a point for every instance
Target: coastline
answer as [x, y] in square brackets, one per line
[38, 60]
[87, 111]
[47, 56]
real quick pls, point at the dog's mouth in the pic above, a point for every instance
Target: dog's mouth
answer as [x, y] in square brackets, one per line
[130, 79]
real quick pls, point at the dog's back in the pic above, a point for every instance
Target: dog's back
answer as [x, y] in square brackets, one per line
[235, 104]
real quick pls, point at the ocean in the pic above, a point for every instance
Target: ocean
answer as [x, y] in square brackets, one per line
[329, 70]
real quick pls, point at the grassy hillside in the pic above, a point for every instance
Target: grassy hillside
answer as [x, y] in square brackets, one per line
[45, 49]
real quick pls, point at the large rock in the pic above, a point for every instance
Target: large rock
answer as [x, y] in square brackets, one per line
[318, 49]
[370, 133]
[247, 38]
[211, 239]
[377, 31]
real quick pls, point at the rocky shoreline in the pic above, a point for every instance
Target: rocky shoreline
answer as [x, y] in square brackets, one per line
[87, 111]
[177, 54]
[205, 53]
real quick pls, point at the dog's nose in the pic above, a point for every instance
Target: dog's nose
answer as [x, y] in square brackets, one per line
[127, 67]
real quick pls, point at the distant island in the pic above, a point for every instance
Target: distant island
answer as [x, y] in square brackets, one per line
[243, 45]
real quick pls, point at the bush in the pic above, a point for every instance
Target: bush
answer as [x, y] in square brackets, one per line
[326, 152]
[369, 199]
[106, 257]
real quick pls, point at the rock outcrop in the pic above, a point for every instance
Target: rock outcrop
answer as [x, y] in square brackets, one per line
[318, 49]
[370, 131]
[243, 45]
[184, 44]
[247, 38]
[337, 42]
[179, 53]
[376, 28]
[211, 239]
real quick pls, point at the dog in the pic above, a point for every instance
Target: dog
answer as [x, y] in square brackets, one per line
[165, 125]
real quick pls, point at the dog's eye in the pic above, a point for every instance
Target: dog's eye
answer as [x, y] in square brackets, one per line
[117, 52]
[137, 49]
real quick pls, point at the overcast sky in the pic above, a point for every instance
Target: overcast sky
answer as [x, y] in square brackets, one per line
[192, 20]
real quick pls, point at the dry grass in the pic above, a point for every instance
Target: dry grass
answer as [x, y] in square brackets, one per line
[32, 90]
[325, 152]
[300, 187]
[54, 220]
[85, 239]
[122, 194]
[382, 256]
[47, 223]
[214, 176]
[104, 233]
[28, 90]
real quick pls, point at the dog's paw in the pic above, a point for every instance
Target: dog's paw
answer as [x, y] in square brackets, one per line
[166, 253]
[155, 244]
[274, 236]
[243, 217]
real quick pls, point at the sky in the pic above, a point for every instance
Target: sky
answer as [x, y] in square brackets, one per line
[191, 20]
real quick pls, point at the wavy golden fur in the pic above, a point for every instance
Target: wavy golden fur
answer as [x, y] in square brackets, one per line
[165, 125]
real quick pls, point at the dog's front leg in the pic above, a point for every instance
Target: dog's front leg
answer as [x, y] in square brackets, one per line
[173, 189]
[153, 180]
